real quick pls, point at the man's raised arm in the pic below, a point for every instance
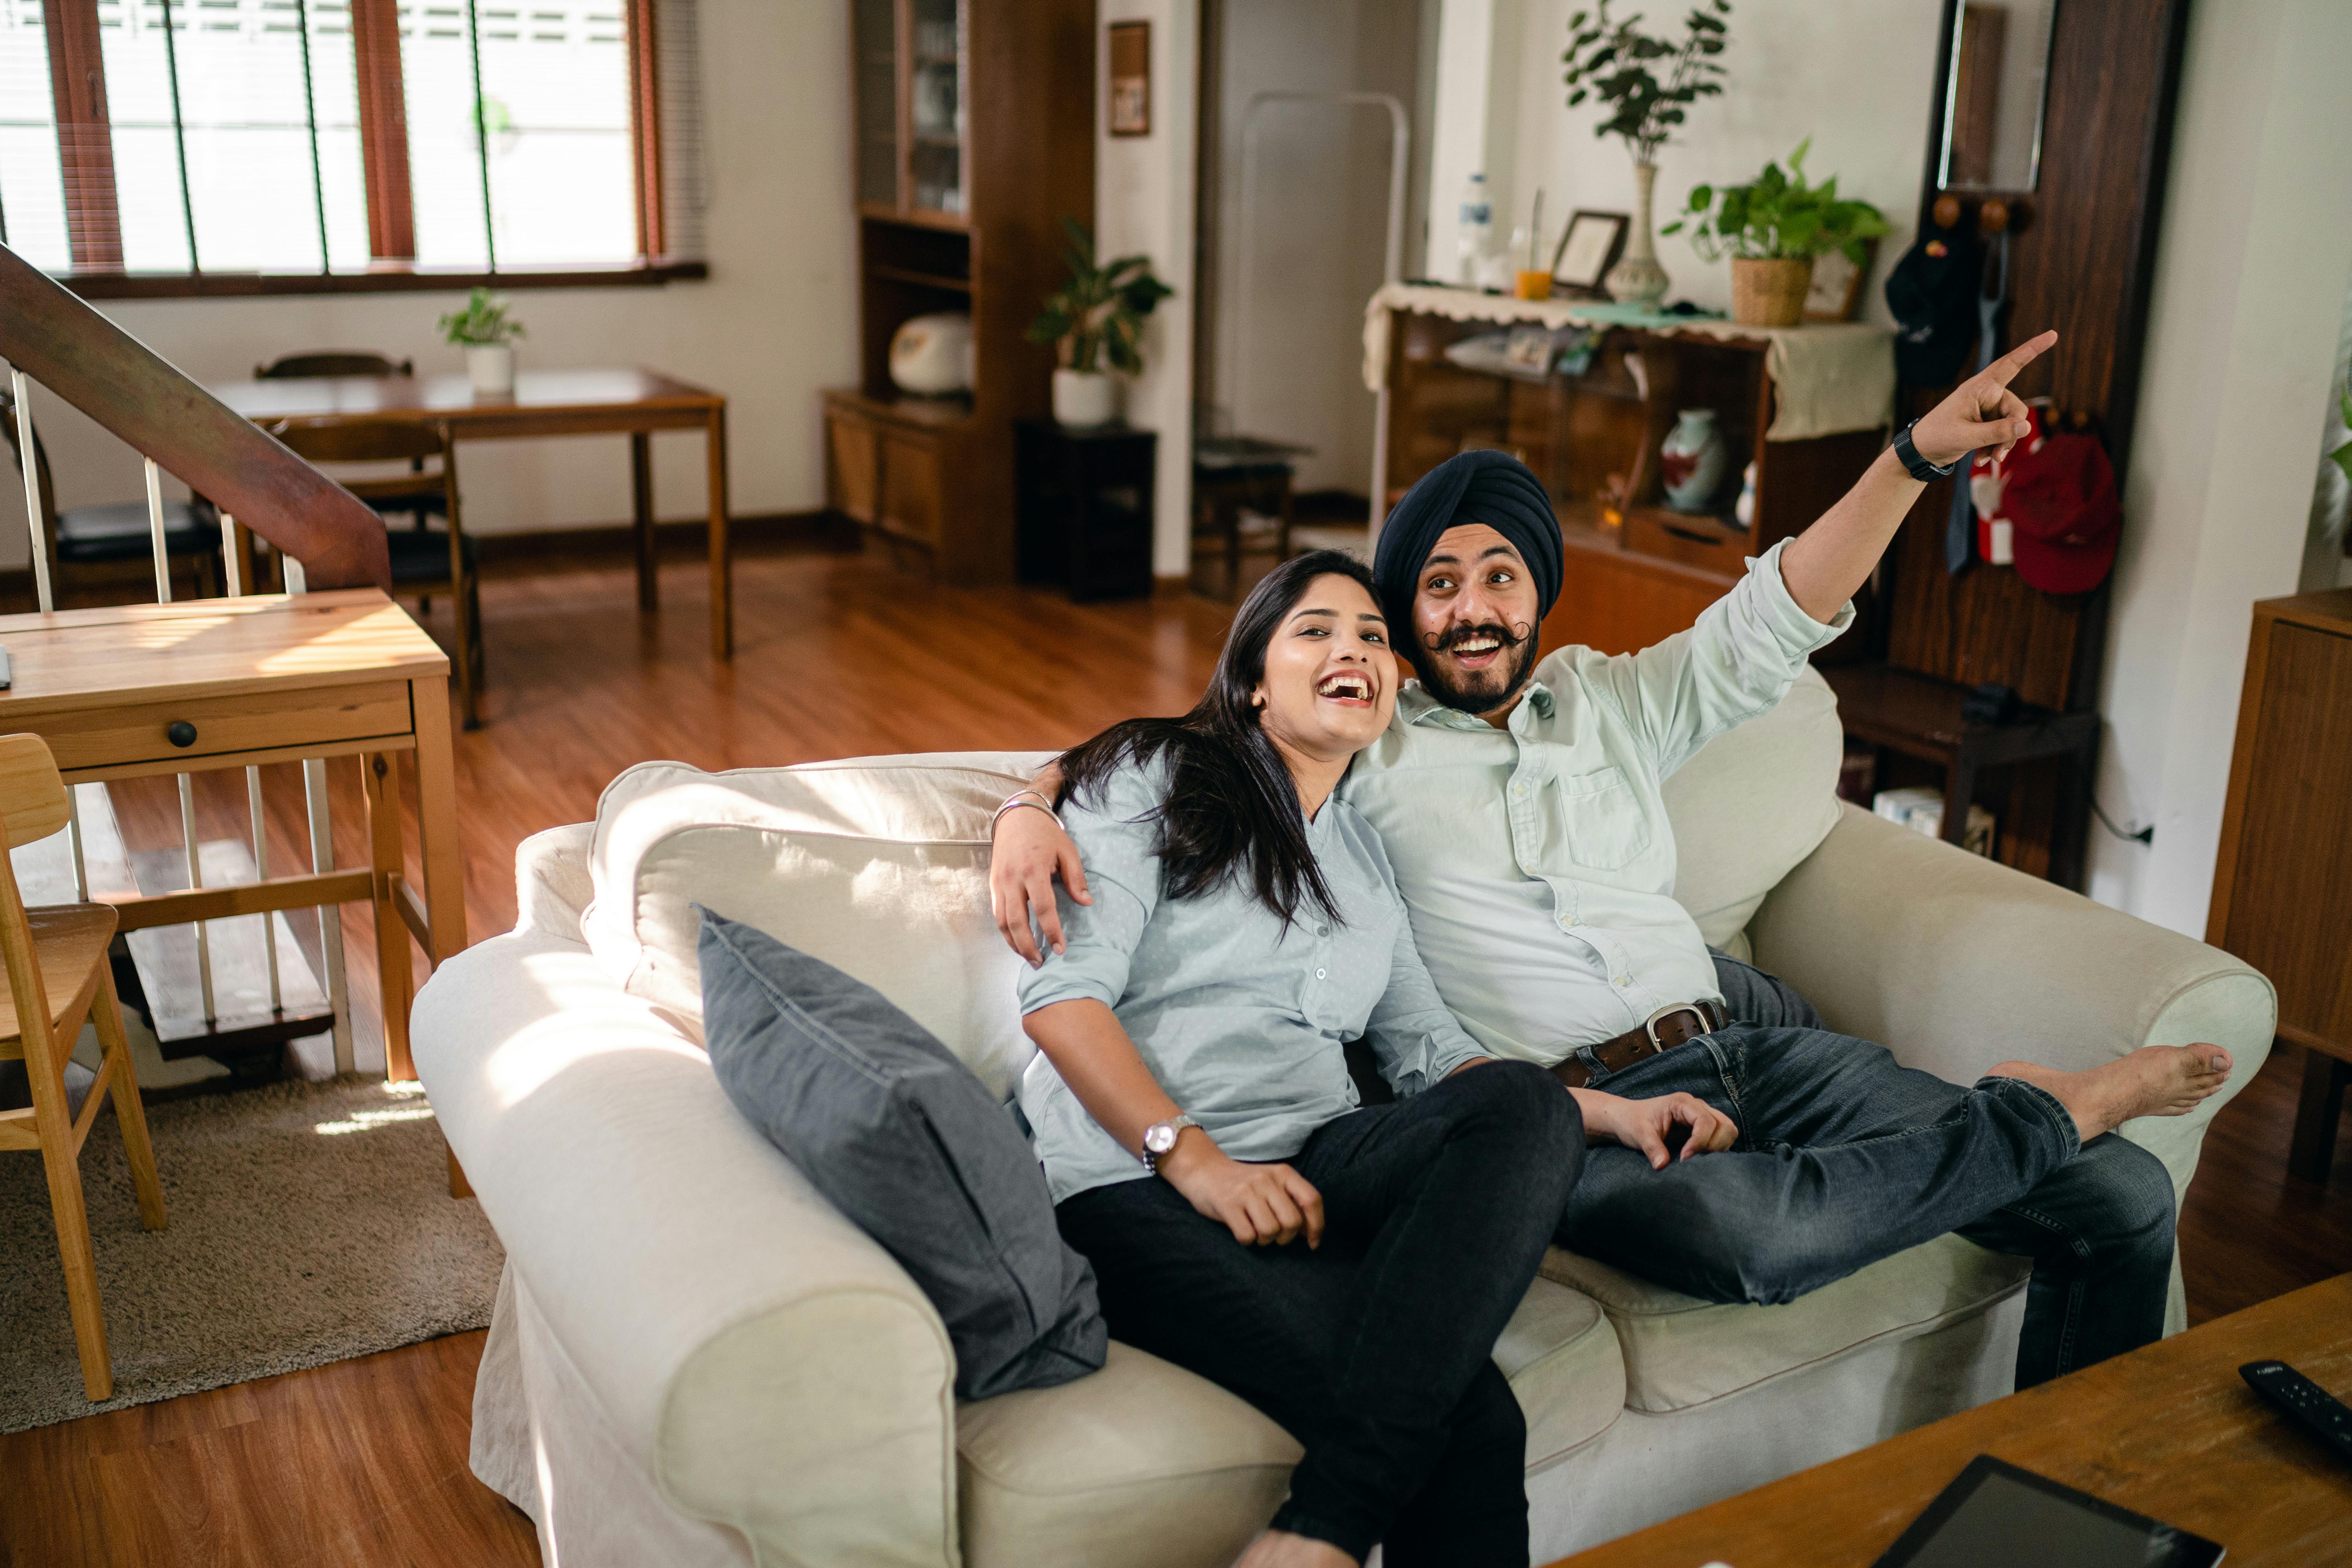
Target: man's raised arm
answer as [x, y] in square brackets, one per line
[1824, 566]
[1030, 849]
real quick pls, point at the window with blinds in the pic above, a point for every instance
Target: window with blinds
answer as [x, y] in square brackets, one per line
[317, 136]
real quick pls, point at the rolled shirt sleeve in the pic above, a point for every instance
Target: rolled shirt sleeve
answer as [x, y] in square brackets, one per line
[1736, 661]
[1114, 829]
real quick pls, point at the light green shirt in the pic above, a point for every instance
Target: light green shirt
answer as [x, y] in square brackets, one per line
[1536, 859]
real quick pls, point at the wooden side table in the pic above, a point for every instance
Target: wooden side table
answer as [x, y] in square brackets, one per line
[1085, 506]
[136, 690]
[2282, 880]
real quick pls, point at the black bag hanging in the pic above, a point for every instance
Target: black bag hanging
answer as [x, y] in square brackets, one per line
[1960, 528]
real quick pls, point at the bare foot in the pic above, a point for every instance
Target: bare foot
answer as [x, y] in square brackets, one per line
[1280, 1549]
[2154, 1080]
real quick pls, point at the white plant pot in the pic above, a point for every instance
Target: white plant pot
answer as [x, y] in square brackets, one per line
[1083, 398]
[491, 368]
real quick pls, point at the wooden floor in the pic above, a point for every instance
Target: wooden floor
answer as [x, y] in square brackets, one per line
[364, 1463]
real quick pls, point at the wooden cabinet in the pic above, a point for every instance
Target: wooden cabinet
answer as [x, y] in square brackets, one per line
[973, 140]
[2282, 880]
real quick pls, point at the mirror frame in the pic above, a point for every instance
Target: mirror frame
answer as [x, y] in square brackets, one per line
[1954, 17]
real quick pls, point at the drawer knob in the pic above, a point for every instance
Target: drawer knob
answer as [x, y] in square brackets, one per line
[181, 734]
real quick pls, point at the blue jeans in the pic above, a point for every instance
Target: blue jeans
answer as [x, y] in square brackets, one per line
[1375, 1351]
[1845, 1157]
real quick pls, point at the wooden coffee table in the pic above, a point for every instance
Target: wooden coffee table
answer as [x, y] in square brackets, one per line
[2171, 1431]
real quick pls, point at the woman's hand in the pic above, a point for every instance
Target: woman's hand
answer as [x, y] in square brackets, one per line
[1030, 849]
[1645, 1124]
[1981, 412]
[1261, 1205]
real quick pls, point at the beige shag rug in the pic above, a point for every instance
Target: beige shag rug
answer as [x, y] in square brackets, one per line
[309, 1222]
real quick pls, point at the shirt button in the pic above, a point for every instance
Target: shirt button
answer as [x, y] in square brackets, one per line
[1318, 975]
[1519, 789]
[1622, 980]
[1567, 920]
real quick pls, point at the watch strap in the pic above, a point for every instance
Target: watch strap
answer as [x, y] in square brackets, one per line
[1909, 454]
[1176, 1125]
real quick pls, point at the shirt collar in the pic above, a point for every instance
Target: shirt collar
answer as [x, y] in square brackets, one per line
[1416, 706]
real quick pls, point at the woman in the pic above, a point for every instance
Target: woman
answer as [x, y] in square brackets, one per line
[1346, 1271]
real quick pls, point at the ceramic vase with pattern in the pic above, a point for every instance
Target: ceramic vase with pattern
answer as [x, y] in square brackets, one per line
[1691, 461]
[1637, 278]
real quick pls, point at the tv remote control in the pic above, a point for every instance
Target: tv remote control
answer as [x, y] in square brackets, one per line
[2310, 1406]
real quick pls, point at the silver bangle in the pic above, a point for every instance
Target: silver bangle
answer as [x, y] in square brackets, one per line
[1016, 802]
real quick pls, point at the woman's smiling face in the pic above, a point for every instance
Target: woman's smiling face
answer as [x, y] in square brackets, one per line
[1330, 678]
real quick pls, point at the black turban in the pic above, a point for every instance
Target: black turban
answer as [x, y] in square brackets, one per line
[1483, 487]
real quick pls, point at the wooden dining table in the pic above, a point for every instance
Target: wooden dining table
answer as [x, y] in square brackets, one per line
[631, 401]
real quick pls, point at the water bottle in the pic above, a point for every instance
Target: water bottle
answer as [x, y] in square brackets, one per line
[1474, 229]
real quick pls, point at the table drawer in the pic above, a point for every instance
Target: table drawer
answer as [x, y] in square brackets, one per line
[114, 737]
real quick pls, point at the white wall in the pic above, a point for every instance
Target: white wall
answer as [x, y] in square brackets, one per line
[1143, 205]
[2252, 267]
[776, 322]
[1856, 76]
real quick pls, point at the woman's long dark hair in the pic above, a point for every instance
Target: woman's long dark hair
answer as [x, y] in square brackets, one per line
[1232, 809]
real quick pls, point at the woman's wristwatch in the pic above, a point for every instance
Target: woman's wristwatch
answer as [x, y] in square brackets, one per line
[1921, 468]
[1159, 1138]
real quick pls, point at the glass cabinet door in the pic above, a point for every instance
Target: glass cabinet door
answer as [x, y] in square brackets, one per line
[936, 109]
[875, 40]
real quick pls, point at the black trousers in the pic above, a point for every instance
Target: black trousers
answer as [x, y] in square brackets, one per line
[1375, 1351]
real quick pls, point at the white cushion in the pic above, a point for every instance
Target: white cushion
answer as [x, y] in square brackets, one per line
[1143, 1464]
[1752, 804]
[1681, 1351]
[877, 866]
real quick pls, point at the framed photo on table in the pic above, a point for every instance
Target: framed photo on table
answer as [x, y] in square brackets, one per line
[1588, 246]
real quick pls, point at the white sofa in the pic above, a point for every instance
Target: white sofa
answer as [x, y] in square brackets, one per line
[696, 1360]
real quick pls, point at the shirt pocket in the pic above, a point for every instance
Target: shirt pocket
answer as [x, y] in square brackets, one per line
[1600, 818]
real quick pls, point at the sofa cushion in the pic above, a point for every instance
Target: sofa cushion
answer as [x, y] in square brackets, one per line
[876, 866]
[1145, 1463]
[1753, 803]
[1681, 1351]
[904, 1140]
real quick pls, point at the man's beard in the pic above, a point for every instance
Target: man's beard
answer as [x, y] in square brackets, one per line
[1485, 689]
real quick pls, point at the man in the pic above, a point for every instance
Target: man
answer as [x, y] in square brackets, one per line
[1521, 807]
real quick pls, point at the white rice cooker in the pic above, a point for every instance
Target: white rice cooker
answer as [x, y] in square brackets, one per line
[930, 356]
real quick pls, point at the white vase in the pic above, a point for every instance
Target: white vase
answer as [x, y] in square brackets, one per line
[1083, 398]
[491, 368]
[1637, 278]
[1691, 461]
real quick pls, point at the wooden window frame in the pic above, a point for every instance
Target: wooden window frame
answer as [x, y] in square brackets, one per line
[93, 216]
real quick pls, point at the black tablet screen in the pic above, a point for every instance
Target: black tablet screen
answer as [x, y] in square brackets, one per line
[2009, 1518]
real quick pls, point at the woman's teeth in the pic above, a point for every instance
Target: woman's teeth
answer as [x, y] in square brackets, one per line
[1347, 688]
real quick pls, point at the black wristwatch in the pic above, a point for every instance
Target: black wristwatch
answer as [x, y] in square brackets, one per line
[1921, 468]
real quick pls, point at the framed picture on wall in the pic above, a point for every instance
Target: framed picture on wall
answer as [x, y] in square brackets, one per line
[1131, 78]
[1837, 283]
[1588, 249]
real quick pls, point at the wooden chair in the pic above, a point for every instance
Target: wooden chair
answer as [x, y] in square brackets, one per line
[104, 535]
[58, 975]
[333, 361]
[425, 561]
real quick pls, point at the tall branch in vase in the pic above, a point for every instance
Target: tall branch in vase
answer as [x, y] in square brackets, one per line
[1614, 61]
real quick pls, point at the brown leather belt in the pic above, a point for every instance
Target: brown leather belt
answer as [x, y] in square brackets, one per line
[1661, 1032]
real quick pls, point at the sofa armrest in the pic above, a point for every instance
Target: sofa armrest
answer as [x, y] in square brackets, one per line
[1955, 962]
[770, 1366]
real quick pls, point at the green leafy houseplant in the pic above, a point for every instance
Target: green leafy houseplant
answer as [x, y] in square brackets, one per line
[1778, 217]
[483, 323]
[1618, 64]
[1099, 314]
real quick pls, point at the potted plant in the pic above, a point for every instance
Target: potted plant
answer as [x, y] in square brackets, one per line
[1772, 229]
[486, 333]
[1618, 64]
[1097, 316]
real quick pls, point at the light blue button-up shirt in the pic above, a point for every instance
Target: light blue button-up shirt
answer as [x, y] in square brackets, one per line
[1537, 858]
[1241, 1022]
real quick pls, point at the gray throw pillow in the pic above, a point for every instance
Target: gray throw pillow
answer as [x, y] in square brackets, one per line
[903, 1139]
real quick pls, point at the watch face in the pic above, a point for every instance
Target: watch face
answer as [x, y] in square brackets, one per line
[1160, 1138]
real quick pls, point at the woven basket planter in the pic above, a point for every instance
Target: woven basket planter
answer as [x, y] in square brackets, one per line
[1770, 293]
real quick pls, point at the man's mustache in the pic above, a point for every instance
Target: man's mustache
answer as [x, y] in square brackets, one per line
[1454, 636]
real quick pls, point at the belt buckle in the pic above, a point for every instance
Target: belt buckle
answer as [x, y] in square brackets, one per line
[1650, 1024]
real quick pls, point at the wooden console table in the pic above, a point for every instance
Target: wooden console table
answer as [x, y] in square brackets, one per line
[2170, 1431]
[137, 690]
[635, 403]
